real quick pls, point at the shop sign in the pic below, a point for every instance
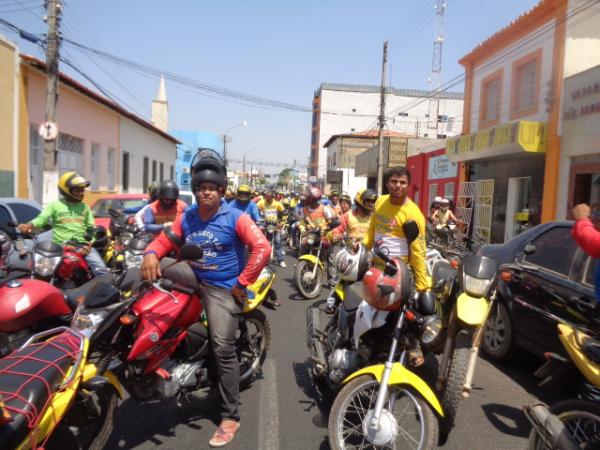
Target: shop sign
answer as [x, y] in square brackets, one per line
[335, 176]
[582, 94]
[440, 167]
[530, 136]
[397, 153]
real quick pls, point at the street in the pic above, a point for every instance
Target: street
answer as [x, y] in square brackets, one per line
[279, 410]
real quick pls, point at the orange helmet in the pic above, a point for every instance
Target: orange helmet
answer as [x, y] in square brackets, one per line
[387, 292]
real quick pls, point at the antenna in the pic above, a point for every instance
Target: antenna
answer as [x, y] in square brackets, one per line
[435, 80]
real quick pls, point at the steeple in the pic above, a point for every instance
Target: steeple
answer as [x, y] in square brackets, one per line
[160, 107]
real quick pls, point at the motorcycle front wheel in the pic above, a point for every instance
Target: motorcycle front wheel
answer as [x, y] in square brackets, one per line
[308, 286]
[581, 419]
[455, 379]
[252, 344]
[407, 421]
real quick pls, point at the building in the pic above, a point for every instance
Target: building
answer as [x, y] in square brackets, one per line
[343, 109]
[115, 149]
[191, 141]
[510, 149]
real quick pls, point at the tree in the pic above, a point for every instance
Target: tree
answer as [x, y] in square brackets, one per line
[286, 177]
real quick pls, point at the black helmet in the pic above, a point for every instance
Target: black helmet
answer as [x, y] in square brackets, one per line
[207, 166]
[168, 190]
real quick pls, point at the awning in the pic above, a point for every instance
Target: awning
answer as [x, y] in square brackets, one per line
[507, 139]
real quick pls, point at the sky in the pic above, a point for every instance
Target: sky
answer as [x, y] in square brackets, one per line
[281, 50]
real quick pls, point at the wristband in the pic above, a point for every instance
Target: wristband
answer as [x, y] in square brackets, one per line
[150, 252]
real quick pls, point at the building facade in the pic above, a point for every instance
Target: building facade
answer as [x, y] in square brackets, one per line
[191, 141]
[344, 109]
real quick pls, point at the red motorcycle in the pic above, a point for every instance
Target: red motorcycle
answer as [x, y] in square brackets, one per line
[160, 334]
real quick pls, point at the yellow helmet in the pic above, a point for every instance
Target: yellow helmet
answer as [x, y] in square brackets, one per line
[244, 189]
[363, 196]
[72, 180]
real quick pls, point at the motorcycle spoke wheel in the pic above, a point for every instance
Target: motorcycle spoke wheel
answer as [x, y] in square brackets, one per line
[252, 344]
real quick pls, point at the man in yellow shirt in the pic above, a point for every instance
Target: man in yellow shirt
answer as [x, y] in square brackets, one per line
[272, 211]
[391, 212]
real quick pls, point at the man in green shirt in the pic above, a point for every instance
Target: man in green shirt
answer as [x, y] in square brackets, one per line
[71, 219]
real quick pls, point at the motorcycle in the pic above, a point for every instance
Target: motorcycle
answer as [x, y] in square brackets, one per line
[381, 404]
[269, 229]
[573, 423]
[51, 396]
[160, 335]
[127, 244]
[466, 296]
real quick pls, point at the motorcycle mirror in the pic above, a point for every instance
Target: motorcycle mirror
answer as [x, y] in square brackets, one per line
[529, 249]
[11, 223]
[190, 252]
[173, 237]
[411, 230]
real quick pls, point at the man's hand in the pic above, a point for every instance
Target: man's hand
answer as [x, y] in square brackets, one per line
[239, 294]
[581, 211]
[167, 224]
[26, 228]
[150, 267]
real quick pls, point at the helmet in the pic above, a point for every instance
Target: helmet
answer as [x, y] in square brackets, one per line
[72, 180]
[352, 266]
[387, 292]
[437, 200]
[334, 194]
[345, 198]
[244, 191]
[168, 190]
[363, 196]
[207, 166]
[445, 202]
[285, 202]
[153, 191]
[314, 194]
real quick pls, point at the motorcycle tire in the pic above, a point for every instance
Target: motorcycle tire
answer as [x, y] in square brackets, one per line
[308, 292]
[262, 325]
[455, 379]
[585, 414]
[366, 387]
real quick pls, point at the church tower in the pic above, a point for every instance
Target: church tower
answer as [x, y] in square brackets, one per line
[160, 108]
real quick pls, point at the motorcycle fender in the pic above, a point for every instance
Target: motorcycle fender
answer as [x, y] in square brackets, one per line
[339, 291]
[312, 259]
[571, 339]
[253, 303]
[402, 376]
[471, 310]
[91, 371]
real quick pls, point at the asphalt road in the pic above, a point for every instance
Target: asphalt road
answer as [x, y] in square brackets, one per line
[279, 411]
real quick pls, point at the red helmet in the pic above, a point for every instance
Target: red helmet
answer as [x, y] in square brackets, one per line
[314, 194]
[387, 292]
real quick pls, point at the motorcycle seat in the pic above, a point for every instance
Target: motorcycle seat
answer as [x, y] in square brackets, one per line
[26, 385]
[180, 273]
[73, 296]
[591, 349]
[353, 295]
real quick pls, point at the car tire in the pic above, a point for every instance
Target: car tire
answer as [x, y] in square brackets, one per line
[498, 335]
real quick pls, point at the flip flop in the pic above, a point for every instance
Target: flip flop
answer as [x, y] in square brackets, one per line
[224, 434]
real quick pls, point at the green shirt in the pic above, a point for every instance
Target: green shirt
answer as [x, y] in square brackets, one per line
[70, 221]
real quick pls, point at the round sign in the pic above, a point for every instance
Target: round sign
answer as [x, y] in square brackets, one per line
[48, 130]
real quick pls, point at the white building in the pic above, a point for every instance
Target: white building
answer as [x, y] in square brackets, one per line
[343, 109]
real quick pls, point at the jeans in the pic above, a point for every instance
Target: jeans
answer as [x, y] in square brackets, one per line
[222, 311]
[96, 263]
[277, 244]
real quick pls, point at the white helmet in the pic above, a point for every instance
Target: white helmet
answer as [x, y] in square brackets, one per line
[352, 266]
[437, 199]
[445, 201]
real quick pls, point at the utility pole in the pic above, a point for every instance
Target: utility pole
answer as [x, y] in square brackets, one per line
[436, 68]
[381, 156]
[50, 145]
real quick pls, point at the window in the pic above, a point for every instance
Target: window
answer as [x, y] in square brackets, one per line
[554, 250]
[491, 99]
[526, 85]
[153, 170]
[442, 118]
[23, 212]
[70, 153]
[145, 181]
[404, 114]
[95, 167]
[353, 109]
[590, 272]
[162, 171]
[110, 169]
[4, 216]
[35, 146]
[185, 179]
[171, 173]
[125, 172]
[352, 129]
[187, 157]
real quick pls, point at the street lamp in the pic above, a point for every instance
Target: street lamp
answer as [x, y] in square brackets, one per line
[227, 139]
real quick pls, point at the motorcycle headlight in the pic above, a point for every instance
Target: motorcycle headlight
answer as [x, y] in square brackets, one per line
[476, 286]
[311, 238]
[125, 238]
[431, 328]
[45, 266]
[133, 259]
[271, 228]
[87, 322]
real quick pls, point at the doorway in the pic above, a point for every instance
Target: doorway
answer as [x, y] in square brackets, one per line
[517, 207]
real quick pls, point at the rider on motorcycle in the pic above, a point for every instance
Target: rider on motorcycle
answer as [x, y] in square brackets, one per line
[165, 210]
[229, 195]
[152, 197]
[385, 229]
[443, 215]
[71, 219]
[223, 233]
[272, 211]
[334, 199]
[345, 203]
[243, 203]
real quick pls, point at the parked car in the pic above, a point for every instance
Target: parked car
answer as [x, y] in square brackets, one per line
[115, 201]
[543, 269]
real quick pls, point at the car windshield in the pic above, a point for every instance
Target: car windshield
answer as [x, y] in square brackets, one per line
[188, 198]
[100, 208]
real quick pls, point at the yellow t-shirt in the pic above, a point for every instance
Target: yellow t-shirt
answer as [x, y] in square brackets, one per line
[271, 210]
[386, 226]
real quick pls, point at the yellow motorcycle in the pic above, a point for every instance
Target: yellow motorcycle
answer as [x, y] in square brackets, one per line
[52, 397]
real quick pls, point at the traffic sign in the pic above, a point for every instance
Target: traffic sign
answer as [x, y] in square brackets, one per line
[48, 130]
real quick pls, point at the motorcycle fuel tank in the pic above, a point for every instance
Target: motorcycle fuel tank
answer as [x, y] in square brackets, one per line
[25, 302]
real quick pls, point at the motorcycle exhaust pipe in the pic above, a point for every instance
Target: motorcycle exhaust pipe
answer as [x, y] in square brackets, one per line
[313, 336]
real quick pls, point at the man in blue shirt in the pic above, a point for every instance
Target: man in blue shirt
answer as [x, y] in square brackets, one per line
[243, 203]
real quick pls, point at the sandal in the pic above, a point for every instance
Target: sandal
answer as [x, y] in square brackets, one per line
[224, 434]
[415, 357]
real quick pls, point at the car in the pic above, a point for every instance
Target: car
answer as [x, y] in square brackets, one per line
[544, 277]
[188, 197]
[118, 202]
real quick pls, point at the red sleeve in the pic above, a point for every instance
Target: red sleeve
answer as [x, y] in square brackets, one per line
[161, 244]
[260, 250]
[587, 237]
[341, 228]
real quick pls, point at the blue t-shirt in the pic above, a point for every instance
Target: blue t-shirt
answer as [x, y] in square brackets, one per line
[249, 208]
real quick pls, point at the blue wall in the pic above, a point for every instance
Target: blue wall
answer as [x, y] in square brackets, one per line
[191, 141]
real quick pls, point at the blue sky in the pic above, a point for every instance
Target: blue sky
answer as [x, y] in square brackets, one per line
[281, 50]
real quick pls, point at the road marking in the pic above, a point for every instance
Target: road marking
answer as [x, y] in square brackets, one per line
[268, 433]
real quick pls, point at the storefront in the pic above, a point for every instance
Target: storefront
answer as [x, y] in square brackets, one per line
[580, 162]
[506, 177]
